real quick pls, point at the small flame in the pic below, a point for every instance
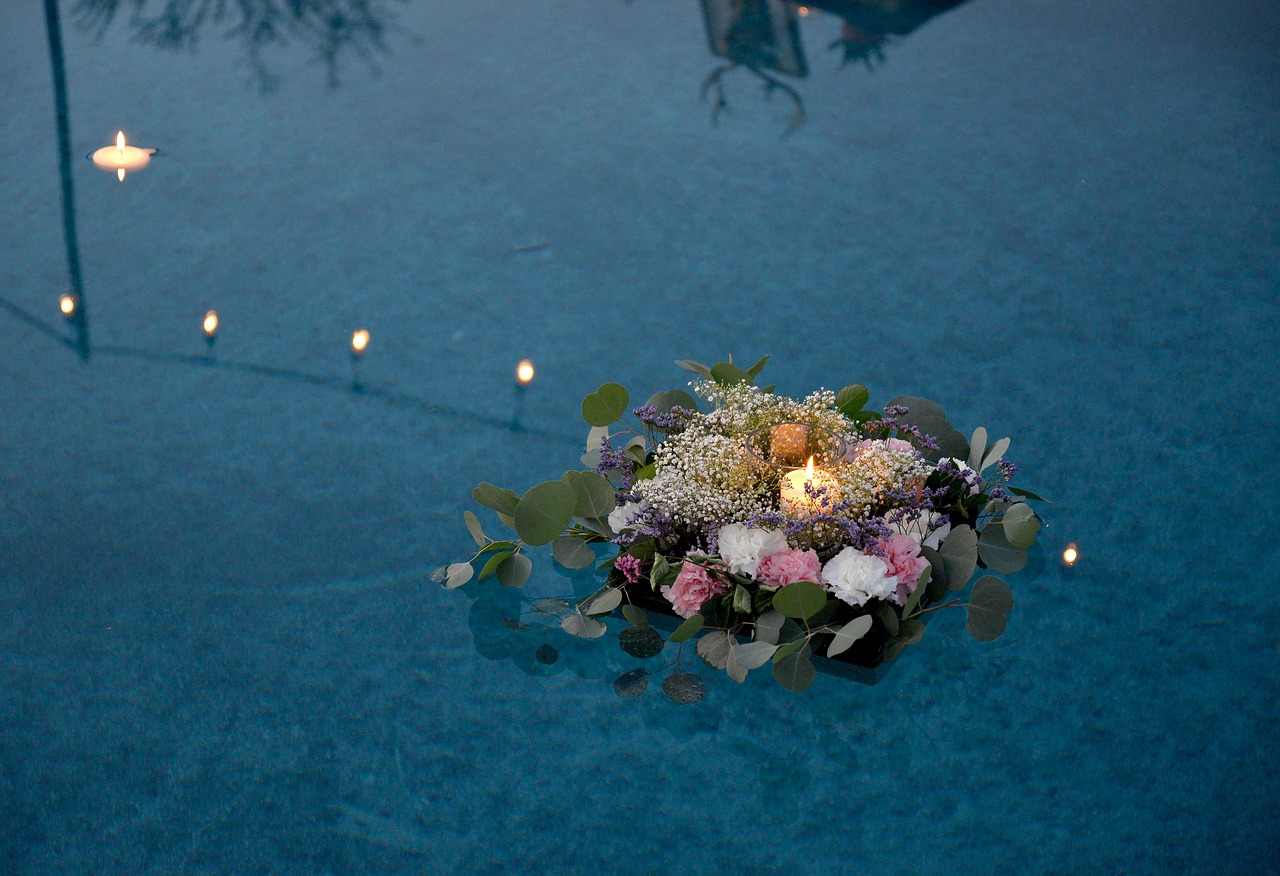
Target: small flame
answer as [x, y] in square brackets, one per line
[808, 470]
[120, 141]
[524, 372]
[120, 174]
[211, 323]
[67, 305]
[359, 341]
[1070, 555]
[803, 10]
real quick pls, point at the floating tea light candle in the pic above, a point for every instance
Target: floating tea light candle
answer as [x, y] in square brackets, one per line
[122, 157]
[795, 497]
[1070, 555]
[524, 373]
[359, 342]
[67, 304]
[210, 328]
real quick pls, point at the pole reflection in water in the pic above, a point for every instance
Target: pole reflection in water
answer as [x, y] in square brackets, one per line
[79, 315]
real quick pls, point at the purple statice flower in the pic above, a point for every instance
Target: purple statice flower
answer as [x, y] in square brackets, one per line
[615, 461]
[671, 422]
[629, 566]
[892, 422]
[1000, 494]
[1008, 469]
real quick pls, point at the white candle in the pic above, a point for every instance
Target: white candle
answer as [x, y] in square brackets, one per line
[796, 499]
[122, 157]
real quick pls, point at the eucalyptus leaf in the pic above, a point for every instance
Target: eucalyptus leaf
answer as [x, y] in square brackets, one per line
[735, 670]
[595, 439]
[642, 642]
[727, 374]
[977, 446]
[993, 455]
[544, 511]
[886, 615]
[922, 587]
[474, 527]
[491, 565]
[687, 630]
[631, 684]
[1021, 525]
[713, 648]
[848, 634]
[769, 625]
[582, 626]
[593, 494]
[552, 606]
[606, 405]
[959, 552]
[673, 398]
[795, 671]
[546, 654]
[500, 500]
[684, 688]
[514, 570]
[496, 546]
[989, 607]
[800, 600]
[741, 599]
[753, 655]
[457, 575]
[694, 367]
[635, 615]
[917, 407]
[912, 631]
[755, 369]
[998, 554]
[1027, 494]
[605, 602]
[950, 442]
[852, 399]
[572, 552]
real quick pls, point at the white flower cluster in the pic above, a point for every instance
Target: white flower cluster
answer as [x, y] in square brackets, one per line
[879, 467]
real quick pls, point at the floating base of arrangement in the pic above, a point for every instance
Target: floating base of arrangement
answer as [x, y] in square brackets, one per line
[867, 661]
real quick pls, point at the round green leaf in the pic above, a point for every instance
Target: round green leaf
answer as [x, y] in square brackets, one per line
[572, 552]
[544, 512]
[491, 565]
[727, 374]
[605, 602]
[606, 405]
[672, 398]
[959, 552]
[474, 527]
[500, 500]
[800, 600]
[514, 570]
[635, 615]
[795, 671]
[852, 399]
[753, 655]
[582, 626]
[989, 606]
[917, 408]
[458, 574]
[593, 494]
[998, 553]
[713, 648]
[1021, 525]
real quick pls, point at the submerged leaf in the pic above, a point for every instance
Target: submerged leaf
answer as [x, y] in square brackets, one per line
[684, 687]
[641, 642]
[631, 684]
[547, 654]
[989, 607]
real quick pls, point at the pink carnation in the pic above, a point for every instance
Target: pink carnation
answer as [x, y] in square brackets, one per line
[789, 566]
[902, 556]
[693, 586]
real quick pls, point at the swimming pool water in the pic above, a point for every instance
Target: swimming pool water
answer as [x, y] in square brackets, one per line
[220, 648]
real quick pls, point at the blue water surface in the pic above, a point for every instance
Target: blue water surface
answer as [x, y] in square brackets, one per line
[220, 648]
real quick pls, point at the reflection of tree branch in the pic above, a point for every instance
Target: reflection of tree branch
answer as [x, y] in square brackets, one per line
[333, 29]
[714, 84]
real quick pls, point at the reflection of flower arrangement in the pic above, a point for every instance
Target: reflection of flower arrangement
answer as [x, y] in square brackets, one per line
[777, 528]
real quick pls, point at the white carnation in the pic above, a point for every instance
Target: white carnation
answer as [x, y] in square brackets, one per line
[743, 547]
[855, 577]
[620, 517]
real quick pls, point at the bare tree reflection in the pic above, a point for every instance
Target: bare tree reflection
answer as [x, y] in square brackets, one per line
[763, 37]
[334, 30]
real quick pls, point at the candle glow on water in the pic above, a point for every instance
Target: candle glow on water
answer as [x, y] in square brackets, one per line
[122, 157]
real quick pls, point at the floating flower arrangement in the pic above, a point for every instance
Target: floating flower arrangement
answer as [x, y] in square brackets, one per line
[804, 534]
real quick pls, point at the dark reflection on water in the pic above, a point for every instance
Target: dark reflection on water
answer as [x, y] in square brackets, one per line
[333, 30]
[763, 37]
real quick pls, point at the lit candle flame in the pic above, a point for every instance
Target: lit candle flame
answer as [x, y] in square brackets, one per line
[803, 10]
[120, 141]
[524, 372]
[1070, 555]
[211, 323]
[808, 470]
[359, 341]
[67, 305]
